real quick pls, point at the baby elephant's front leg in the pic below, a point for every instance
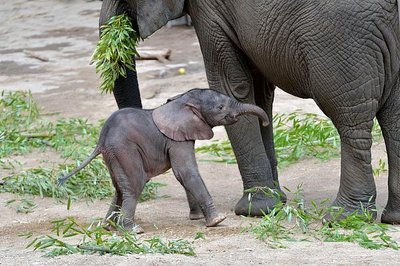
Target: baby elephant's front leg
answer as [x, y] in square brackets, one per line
[196, 187]
[185, 168]
[196, 212]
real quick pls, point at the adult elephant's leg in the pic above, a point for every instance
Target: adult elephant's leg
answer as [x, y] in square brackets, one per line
[255, 153]
[126, 89]
[264, 97]
[228, 70]
[254, 167]
[357, 189]
[389, 119]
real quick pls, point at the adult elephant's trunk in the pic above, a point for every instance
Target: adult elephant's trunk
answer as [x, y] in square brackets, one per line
[244, 108]
[126, 89]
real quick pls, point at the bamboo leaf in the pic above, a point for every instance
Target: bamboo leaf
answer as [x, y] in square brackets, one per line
[115, 51]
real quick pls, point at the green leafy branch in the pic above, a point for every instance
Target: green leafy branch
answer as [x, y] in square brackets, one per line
[286, 222]
[96, 239]
[115, 51]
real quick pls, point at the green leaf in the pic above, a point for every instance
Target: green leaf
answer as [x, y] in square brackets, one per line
[69, 203]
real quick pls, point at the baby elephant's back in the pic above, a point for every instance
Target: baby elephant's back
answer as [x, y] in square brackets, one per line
[129, 133]
[128, 126]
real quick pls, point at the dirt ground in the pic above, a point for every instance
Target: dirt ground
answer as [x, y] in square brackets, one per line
[66, 33]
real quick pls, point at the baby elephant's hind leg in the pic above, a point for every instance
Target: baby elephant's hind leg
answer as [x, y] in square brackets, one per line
[115, 208]
[129, 179]
[116, 203]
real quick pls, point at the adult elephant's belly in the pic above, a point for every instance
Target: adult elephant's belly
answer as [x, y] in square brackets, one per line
[286, 73]
[295, 85]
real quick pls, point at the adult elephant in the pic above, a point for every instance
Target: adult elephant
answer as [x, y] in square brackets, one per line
[343, 54]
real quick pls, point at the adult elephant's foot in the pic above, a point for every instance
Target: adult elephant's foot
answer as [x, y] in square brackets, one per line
[259, 203]
[339, 211]
[390, 215]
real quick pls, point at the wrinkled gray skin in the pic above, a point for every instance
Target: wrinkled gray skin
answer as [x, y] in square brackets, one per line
[139, 144]
[343, 54]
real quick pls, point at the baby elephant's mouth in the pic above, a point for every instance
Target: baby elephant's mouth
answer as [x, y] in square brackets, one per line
[230, 119]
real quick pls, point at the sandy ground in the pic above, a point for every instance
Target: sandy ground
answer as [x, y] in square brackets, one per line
[66, 33]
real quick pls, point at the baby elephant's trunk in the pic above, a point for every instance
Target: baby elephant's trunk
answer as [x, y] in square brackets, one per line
[245, 108]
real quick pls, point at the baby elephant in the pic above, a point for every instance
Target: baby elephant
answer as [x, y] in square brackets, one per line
[139, 144]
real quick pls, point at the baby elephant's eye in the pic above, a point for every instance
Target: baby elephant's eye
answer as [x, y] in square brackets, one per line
[220, 107]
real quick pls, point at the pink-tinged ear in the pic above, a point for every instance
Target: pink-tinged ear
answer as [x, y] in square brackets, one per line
[180, 121]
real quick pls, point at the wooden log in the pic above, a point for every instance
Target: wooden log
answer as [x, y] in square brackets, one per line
[160, 55]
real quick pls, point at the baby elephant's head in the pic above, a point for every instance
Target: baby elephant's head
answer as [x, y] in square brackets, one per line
[191, 115]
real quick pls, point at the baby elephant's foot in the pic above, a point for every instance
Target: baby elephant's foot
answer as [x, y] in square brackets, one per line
[211, 222]
[133, 228]
[196, 215]
[137, 229]
[129, 226]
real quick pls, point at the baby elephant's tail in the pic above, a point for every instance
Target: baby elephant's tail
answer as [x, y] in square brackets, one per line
[61, 180]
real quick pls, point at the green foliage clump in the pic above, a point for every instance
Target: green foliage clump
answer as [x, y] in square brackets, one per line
[21, 205]
[222, 150]
[18, 116]
[115, 51]
[297, 136]
[286, 221]
[92, 182]
[380, 168]
[96, 239]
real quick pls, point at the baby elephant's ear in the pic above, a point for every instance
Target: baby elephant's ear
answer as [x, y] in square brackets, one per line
[181, 121]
